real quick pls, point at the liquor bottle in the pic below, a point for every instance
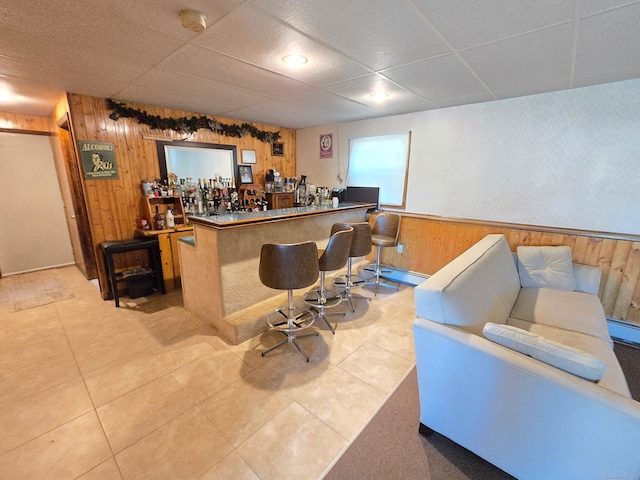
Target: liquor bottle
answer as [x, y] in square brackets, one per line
[233, 196]
[170, 219]
[158, 221]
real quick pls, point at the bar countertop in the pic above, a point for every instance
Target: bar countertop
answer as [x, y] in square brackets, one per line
[228, 220]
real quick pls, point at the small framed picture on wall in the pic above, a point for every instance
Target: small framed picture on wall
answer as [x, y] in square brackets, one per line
[277, 148]
[248, 156]
[246, 175]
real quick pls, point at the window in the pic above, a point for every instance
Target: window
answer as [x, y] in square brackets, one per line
[381, 161]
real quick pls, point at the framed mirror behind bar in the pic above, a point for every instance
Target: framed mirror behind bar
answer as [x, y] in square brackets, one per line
[197, 160]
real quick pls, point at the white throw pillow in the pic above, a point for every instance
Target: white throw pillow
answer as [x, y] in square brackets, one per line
[553, 353]
[546, 267]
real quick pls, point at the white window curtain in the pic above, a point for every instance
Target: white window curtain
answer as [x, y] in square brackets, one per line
[380, 161]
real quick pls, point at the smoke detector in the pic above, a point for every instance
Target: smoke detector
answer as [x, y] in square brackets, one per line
[192, 20]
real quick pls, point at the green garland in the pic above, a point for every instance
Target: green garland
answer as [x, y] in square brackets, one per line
[189, 125]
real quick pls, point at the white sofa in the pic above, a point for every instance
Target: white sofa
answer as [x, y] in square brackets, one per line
[527, 417]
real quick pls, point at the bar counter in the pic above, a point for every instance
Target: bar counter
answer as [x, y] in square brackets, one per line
[219, 265]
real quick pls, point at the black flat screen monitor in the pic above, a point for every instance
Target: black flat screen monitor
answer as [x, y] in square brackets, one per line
[363, 195]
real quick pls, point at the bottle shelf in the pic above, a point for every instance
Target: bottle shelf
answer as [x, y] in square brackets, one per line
[148, 209]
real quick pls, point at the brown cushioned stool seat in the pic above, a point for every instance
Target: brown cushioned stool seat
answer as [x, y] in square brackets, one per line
[289, 267]
[360, 247]
[332, 258]
[384, 233]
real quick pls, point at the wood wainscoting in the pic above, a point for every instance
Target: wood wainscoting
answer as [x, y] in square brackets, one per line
[429, 243]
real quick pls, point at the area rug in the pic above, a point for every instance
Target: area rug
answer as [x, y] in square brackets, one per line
[34, 289]
[390, 447]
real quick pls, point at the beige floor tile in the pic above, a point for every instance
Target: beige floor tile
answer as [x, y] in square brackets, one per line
[20, 328]
[290, 373]
[105, 471]
[136, 414]
[188, 347]
[37, 377]
[341, 401]
[66, 452]
[185, 448]
[244, 406]
[69, 307]
[116, 379]
[294, 444]
[377, 367]
[397, 339]
[37, 414]
[34, 351]
[89, 315]
[98, 329]
[108, 350]
[164, 330]
[210, 374]
[230, 467]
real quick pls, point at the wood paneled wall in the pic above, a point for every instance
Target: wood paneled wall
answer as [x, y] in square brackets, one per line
[113, 205]
[16, 123]
[429, 243]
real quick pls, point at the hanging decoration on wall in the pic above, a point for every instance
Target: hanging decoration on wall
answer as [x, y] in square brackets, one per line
[189, 125]
[98, 160]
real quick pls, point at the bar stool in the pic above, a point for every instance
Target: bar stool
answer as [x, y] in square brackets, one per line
[289, 267]
[360, 247]
[331, 258]
[384, 233]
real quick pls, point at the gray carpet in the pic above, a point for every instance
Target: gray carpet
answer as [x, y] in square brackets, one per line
[390, 447]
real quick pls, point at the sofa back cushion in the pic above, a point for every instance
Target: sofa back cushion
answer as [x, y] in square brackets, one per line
[546, 267]
[479, 286]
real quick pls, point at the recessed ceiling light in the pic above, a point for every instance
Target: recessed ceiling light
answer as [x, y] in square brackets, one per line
[294, 60]
[379, 96]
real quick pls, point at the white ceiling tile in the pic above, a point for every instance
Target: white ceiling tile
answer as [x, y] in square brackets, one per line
[609, 42]
[253, 37]
[426, 54]
[361, 89]
[283, 114]
[384, 34]
[196, 95]
[438, 78]
[536, 58]
[465, 23]
[591, 7]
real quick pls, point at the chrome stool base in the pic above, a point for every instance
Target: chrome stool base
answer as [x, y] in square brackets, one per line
[287, 322]
[378, 270]
[346, 283]
[318, 300]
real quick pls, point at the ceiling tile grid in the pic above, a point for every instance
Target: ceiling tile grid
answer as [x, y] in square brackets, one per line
[423, 54]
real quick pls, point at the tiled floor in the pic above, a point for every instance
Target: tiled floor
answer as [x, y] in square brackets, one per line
[90, 391]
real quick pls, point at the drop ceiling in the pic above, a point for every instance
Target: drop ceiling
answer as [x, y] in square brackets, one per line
[424, 54]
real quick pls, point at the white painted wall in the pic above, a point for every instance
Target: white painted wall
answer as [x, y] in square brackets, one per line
[33, 230]
[566, 159]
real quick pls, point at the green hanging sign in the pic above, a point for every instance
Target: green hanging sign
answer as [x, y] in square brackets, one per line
[98, 160]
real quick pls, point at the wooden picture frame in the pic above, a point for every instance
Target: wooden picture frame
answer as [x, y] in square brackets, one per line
[277, 148]
[245, 174]
[249, 156]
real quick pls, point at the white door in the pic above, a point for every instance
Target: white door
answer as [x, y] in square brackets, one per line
[33, 230]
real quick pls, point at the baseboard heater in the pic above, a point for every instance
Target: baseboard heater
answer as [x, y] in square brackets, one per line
[625, 332]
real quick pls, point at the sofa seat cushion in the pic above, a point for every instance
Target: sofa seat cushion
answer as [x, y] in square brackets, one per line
[613, 378]
[580, 312]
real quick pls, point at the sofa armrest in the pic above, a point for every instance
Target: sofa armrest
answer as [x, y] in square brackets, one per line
[528, 418]
[587, 278]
